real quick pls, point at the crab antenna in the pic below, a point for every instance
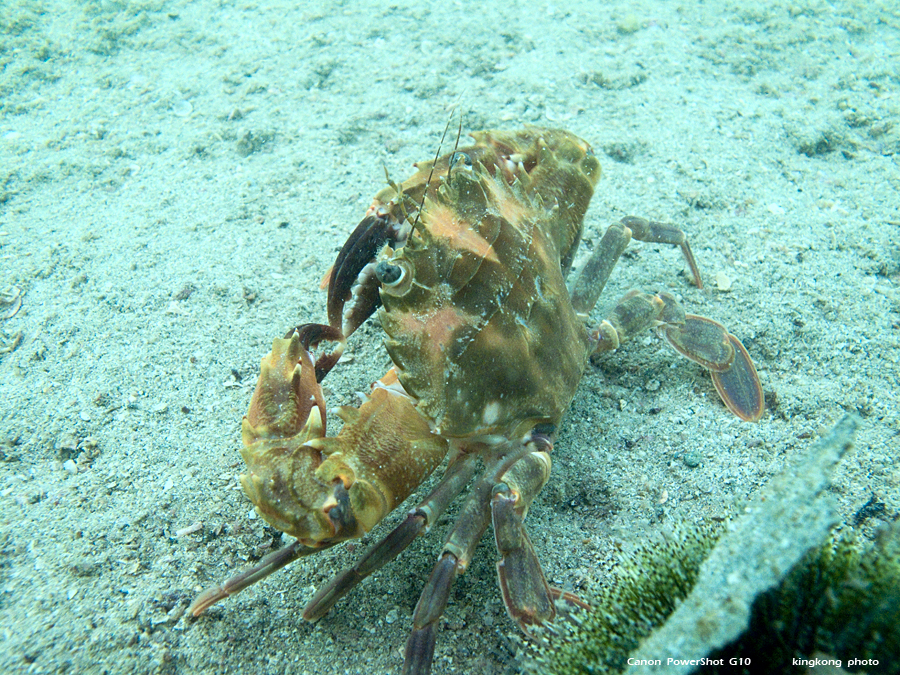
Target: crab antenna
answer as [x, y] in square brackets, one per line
[436, 155]
[399, 192]
[455, 147]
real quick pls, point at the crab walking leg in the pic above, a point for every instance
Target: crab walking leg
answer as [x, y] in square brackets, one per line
[473, 520]
[268, 565]
[636, 312]
[419, 520]
[471, 524]
[739, 386]
[653, 232]
[529, 600]
[526, 594]
[593, 277]
[697, 338]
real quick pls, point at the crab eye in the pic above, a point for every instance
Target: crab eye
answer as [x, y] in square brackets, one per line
[388, 274]
[395, 278]
[461, 159]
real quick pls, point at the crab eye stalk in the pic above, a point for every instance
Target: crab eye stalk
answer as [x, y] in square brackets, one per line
[394, 277]
[460, 164]
[459, 160]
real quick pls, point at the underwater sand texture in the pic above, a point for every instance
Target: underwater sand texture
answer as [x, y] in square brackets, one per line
[175, 178]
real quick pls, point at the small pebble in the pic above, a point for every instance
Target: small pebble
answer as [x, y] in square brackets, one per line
[252, 514]
[182, 108]
[70, 466]
[691, 458]
[723, 281]
[391, 616]
[629, 24]
[190, 529]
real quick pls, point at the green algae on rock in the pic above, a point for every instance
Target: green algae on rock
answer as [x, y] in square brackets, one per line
[778, 584]
[643, 592]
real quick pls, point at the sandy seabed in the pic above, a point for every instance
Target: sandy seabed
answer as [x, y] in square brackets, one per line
[176, 177]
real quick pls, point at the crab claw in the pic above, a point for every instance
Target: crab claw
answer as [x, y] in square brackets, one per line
[325, 490]
[286, 412]
[318, 489]
[352, 276]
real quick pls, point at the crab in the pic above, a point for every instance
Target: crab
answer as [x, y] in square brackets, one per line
[468, 260]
